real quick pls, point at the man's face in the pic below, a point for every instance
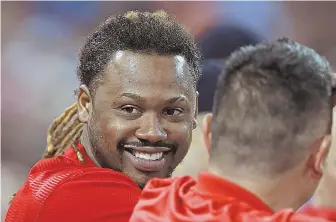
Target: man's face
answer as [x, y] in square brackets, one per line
[142, 115]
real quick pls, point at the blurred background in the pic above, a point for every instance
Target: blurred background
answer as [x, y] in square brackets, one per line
[40, 42]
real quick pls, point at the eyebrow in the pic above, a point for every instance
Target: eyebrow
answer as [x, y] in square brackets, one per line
[133, 96]
[177, 99]
[172, 100]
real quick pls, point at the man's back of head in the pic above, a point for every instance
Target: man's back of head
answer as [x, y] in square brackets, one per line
[269, 139]
[272, 109]
[216, 45]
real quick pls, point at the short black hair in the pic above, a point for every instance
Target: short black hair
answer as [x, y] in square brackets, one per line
[142, 32]
[272, 102]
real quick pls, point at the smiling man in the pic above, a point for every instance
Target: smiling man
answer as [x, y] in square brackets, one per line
[133, 121]
[143, 115]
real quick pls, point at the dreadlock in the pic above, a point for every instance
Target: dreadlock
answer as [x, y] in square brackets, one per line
[64, 131]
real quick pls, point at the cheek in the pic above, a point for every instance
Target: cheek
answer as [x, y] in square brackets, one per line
[181, 135]
[114, 130]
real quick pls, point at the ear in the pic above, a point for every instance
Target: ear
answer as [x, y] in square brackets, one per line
[319, 151]
[206, 129]
[196, 112]
[84, 104]
[322, 154]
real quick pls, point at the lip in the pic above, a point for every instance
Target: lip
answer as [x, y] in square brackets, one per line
[146, 165]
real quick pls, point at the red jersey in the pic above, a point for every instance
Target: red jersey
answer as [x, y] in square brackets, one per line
[212, 199]
[63, 189]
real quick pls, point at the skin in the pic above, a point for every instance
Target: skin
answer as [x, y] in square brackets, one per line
[290, 189]
[325, 195]
[145, 99]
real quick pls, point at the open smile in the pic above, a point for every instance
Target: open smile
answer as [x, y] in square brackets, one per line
[148, 159]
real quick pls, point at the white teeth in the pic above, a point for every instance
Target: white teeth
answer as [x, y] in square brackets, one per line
[147, 156]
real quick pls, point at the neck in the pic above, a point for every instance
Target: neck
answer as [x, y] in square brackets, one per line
[85, 141]
[324, 196]
[277, 193]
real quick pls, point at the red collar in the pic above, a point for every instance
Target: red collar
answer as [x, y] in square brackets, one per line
[219, 188]
[71, 154]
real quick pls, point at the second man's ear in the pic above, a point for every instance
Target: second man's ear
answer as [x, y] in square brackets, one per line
[206, 129]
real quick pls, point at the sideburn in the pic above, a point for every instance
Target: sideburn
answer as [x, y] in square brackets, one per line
[100, 148]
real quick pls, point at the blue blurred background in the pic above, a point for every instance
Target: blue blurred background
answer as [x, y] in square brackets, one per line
[40, 42]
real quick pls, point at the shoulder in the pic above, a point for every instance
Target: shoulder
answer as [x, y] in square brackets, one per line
[92, 195]
[55, 190]
[328, 213]
[160, 190]
[180, 182]
[52, 174]
[165, 187]
[161, 197]
[93, 186]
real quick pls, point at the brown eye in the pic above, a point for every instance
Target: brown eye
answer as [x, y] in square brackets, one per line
[130, 110]
[172, 112]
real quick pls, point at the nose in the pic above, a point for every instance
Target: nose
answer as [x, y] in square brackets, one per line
[151, 130]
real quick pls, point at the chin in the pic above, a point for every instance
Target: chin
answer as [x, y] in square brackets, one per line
[142, 185]
[141, 181]
[141, 178]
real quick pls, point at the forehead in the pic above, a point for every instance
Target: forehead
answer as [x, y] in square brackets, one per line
[147, 74]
